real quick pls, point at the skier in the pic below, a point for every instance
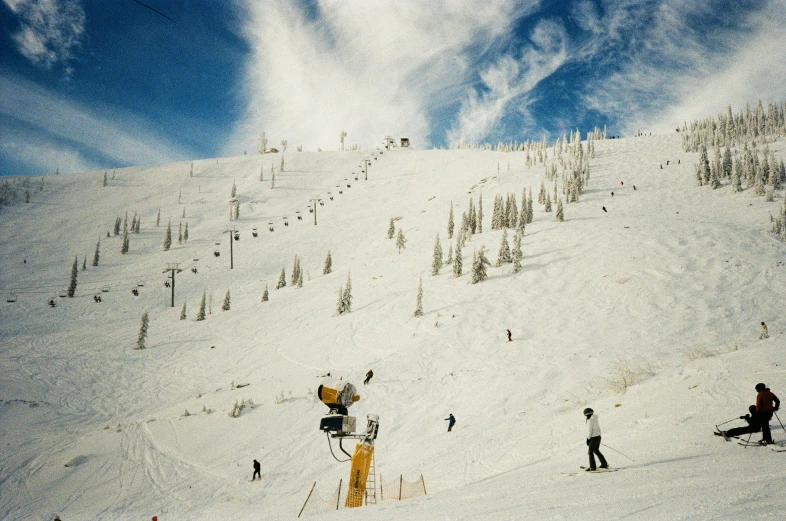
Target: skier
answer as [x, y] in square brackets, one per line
[451, 422]
[754, 425]
[604, 208]
[593, 440]
[764, 333]
[765, 410]
[510, 335]
[369, 375]
[257, 470]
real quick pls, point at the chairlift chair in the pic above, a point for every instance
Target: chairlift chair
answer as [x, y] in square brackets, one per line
[237, 236]
[63, 293]
[105, 289]
[140, 284]
[11, 298]
[254, 232]
[322, 203]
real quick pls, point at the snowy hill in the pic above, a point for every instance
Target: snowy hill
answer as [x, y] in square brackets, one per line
[662, 293]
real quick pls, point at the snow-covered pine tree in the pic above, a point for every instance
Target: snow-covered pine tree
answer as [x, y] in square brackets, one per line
[736, 177]
[233, 192]
[282, 279]
[180, 233]
[401, 241]
[202, 303]
[183, 311]
[133, 223]
[714, 180]
[556, 194]
[504, 249]
[140, 339]
[419, 302]
[521, 224]
[262, 173]
[281, 168]
[74, 272]
[517, 254]
[116, 230]
[124, 247]
[436, 262]
[704, 166]
[530, 211]
[450, 223]
[299, 276]
[548, 203]
[84, 263]
[480, 214]
[348, 294]
[104, 184]
[479, 263]
[125, 224]
[560, 212]
[185, 233]
[272, 177]
[503, 221]
[472, 215]
[265, 294]
[513, 212]
[168, 236]
[340, 308]
[449, 260]
[295, 271]
[225, 305]
[458, 262]
[758, 185]
[542, 194]
[727, 163]
[496, 213]
[328, 267]
[97, 254]
[391, 228]
[158, 218]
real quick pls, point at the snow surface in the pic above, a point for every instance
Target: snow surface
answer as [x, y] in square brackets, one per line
[672, 283]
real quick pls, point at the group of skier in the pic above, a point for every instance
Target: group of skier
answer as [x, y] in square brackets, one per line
[758, 418]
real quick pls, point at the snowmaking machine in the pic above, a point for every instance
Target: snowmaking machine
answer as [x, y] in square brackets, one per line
[339, 396]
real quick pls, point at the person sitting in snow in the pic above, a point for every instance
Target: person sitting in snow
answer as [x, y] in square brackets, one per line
[754, 425]
[766, 404]
[593, 440]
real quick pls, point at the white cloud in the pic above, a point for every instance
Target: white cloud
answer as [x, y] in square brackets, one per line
[48, 122]
[50, 30]
[370, 68]
[508, 80]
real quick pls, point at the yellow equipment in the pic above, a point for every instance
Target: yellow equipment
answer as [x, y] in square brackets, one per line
[361, 463]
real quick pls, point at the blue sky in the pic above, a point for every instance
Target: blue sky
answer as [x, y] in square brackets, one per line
[96, 84]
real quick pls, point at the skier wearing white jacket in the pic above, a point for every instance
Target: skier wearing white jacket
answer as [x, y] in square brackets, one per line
[593, 440]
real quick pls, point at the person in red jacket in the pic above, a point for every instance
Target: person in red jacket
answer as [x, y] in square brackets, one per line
[766, 404]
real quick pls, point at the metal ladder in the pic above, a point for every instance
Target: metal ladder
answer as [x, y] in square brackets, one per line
[371, 483]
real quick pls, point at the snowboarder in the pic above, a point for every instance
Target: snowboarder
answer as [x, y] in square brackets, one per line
[451, 422]
[765, 410]
[369, 375]
[754, 425]
[510, 335]
[593, 440]
[764, 333]
[257, 470]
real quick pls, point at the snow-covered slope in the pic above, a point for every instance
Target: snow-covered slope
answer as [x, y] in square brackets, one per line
[668, 286]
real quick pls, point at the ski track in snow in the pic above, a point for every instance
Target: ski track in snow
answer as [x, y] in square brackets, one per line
[674, 279]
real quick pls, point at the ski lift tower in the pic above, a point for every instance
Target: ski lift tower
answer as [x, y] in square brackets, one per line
[390, 142]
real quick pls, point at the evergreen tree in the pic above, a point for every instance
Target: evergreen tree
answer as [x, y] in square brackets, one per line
[458, 262]
[419, 303]
[542, 194]
[281, 168]
[496, 213]
[138, 224]
[727, 162]
[97, 254]
[340, 306]
[237, 210]
[168, 236]
[295, 271]
[104, 179]
[704, 166]
[225, 305]
[84, 263]
[518, 255]
[504, 249]
[140, 339]
[513, 212]
[436, 263]
[530, 212]
[125, 224]
[401, 242]
[262, 173]
[472, 214]
[265, 295]
[328, 264]
[185, 233]
[480, 214]
[299, 276]
[74, 273]
[736, 177]
[548, 203]
[714, 180]
[183, 311]
[116, 230]
[158, 218]
[272, 177]
[450, 223]
[391, 229]
[522, 221]
[180, 233]
[233, 192]
[758, 186]
[449, 260]
[479, 263]
[124, 248]
[201, 312]
[348, 295]
[282, 279]
[560, 213]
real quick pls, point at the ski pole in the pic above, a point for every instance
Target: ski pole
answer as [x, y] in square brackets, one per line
[779, 421]
[749, 440]
[618, 452]
[724, 423]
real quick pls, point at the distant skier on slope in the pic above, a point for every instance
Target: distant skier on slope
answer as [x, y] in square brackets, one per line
[510, 335]
[593, 440]
[369, 376]
[754, 425]
[764, 333]
[451, 421]
[257, 470]
[765, 409]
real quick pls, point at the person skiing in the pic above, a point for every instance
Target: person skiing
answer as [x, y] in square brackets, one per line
[510, 335]
[754, 425]
[369, 375]
[593, 440]
[765, 410]
[451, 422]
[764, 333]
[257, 470]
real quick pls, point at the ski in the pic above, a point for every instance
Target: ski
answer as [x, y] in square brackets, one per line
[719, 432]
[600, 469]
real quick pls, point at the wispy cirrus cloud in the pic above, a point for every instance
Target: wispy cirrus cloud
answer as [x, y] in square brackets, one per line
[50, 30]
[38, 127]
[369, 68]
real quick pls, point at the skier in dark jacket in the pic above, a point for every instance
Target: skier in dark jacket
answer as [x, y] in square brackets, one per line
[766, 404]
[754, 425]
[451, 422]
[257, 470]
[369, 375]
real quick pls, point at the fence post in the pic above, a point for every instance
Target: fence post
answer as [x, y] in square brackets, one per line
[309, 496]
[400, 484]
[338, 500]
[424, 484]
